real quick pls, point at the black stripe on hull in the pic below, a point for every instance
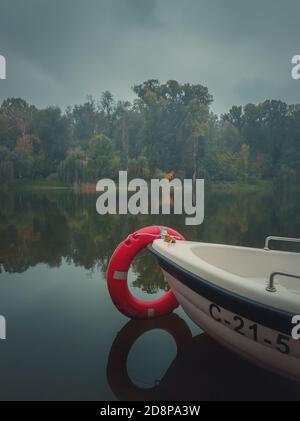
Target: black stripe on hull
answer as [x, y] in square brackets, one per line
[268, 316]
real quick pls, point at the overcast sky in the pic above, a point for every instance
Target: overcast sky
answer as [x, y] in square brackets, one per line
[59, 51]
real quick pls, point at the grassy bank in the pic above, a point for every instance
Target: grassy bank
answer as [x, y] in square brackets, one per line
[238, 187]
[39, 185]
[226, 187]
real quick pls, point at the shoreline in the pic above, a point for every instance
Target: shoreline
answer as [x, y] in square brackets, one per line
[223, 186]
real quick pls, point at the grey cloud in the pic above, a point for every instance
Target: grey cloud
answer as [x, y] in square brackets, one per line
[58, 51]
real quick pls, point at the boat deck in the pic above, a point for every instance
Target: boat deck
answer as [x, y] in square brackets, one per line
[242, 270]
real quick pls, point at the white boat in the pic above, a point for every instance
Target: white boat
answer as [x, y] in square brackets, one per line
[245, 298]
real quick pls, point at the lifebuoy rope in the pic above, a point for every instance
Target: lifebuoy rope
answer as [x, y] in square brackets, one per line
[157, 236]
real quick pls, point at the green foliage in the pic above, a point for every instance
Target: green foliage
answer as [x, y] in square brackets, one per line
[74, 168]
[6, 167]
[23, 163]
[53, 131]
[175, 118]
[139, 167]
[83, 118]
[168, 127]
[100, 156]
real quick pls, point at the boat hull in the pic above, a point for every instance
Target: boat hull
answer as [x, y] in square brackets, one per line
[237, 333]
[254, 331]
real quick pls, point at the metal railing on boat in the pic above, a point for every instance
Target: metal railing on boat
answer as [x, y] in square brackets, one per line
[284, 239]
[271, 287]
[271, 284]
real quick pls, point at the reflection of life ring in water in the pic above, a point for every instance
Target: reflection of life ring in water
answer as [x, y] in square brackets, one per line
[117, 375]
[118, 270]
[201, 370]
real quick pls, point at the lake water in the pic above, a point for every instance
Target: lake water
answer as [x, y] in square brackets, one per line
[65, 338]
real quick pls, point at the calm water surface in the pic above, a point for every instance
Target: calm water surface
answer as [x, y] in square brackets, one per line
[66, 340]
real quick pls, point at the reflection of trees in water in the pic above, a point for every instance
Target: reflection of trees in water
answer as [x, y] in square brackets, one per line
[34, 232]
[149, 276]
[56, 226]
[236, 219]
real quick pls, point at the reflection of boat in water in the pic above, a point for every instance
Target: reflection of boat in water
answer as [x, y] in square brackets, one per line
[243, 297]
[201, 370]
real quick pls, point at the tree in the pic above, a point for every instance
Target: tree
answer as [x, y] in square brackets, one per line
[53, 132]
[107, 103]
[245, 160]
[74, 168]
[6, 138]
[175, 118]
[17, 115]
[100, 157]
[168, 127]
[84, 120]
[23, 163]
[235, 117]
[6, 167]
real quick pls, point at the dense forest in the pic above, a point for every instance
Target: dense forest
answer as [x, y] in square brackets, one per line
[167, 127]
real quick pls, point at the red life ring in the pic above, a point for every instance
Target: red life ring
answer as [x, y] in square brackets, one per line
[117, 276]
